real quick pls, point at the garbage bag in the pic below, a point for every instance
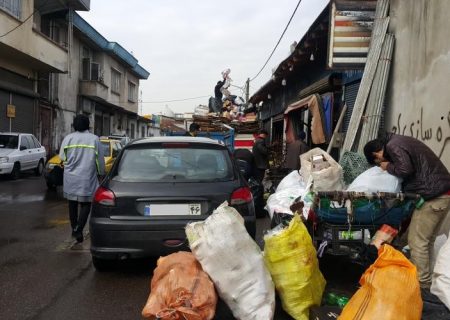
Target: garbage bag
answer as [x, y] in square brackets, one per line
[180, 289]
[327, 178]
[440, 285]
[292, 262]
[292, 180]
[389, 290]
[376, 179]
[234, 262]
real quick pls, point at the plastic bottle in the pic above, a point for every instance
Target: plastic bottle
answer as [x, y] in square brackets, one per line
[367, 237]
[333, 299]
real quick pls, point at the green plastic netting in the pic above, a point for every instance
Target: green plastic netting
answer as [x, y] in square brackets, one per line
[353, 164]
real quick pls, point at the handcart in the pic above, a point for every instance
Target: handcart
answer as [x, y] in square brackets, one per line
[342, 223]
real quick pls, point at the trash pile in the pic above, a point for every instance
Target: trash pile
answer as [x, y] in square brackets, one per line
[359, 219]
[230, 261]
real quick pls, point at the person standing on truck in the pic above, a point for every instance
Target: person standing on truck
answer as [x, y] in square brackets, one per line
[422, 173]
[294, 150]
[193, 128]
[261, 154]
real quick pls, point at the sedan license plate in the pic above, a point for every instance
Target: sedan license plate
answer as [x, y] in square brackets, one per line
[177, 209]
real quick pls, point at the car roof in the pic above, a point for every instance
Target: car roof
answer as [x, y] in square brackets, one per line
[165, 139]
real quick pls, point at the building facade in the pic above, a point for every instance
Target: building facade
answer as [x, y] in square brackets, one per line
[27, 53]
[54, 65]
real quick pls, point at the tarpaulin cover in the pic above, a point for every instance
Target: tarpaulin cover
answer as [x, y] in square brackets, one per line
[389, 290]
[291, 258]
[313, 103]
[377, 211]
[180, 289]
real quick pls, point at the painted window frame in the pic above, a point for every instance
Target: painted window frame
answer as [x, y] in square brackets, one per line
[116, 81]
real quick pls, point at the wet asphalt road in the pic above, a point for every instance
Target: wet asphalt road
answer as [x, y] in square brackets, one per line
[42, 276]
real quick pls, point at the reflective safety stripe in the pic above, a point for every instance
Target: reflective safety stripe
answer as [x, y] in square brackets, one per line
[73, 146]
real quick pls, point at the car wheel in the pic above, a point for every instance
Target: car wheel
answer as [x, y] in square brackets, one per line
[102, 265]
[39, 168]
[15, 173]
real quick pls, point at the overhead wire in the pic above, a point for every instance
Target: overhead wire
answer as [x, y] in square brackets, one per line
[279, 40]
[23, 22]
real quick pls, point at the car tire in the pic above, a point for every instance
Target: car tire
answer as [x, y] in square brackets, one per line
[102, 265]
[39, 169]
[15, 173]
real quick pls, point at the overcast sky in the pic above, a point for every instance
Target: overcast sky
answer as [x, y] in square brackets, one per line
[185, 44]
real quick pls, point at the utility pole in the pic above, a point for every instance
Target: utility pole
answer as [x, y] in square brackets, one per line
[247, 90]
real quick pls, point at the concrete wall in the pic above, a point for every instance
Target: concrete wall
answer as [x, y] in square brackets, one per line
[38, 51]
[418, 94]
[120, 98]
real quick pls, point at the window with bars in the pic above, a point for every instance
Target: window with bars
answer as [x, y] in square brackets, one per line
[13, 7]
[115, 81]
[131, 92]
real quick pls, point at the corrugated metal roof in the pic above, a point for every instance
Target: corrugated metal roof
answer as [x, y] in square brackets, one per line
[112, 48]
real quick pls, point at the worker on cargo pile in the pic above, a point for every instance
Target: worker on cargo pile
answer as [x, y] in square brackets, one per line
[294, 150]
[422, 173]
[261, 154]
[84, 166]
[193, 128]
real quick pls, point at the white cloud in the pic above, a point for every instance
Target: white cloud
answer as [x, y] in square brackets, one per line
[185, 44]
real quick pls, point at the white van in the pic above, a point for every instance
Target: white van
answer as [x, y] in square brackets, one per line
[20, 152]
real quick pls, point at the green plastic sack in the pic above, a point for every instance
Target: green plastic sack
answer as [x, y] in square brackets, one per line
[291, 259]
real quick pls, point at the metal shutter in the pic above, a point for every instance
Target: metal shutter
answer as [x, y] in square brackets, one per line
[351, 90]
[23, 122]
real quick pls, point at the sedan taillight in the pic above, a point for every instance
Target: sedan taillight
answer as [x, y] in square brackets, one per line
[241, 196]
[105, 197]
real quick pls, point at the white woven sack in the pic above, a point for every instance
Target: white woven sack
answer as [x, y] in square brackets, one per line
[328, 179]
[234, 262]
[440, 285]
[376, 179]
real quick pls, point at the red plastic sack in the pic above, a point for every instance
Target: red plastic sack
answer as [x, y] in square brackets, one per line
[180, 289]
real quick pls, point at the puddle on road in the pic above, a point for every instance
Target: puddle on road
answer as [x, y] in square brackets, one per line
[21, 198]
[7, 241]
[71, 245]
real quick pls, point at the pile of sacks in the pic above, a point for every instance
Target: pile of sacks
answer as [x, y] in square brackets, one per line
[230, 263]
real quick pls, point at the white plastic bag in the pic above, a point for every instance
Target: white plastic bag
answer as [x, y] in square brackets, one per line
[291, 187]
[327, 179]
[376, 179]
[440, 285]
[292, 180]
[234, 262]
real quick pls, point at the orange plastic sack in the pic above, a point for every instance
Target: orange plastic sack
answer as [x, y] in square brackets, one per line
[180, 289]
[389, 290]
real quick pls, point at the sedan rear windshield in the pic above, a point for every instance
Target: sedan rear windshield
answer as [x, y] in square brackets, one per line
[9, 141]
[174, 164]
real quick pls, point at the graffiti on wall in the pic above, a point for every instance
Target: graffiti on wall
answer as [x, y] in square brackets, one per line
[419, 130]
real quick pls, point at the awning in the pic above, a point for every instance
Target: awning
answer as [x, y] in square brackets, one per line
[313, 104]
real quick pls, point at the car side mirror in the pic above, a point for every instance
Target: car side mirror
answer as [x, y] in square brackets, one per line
[23, 148]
